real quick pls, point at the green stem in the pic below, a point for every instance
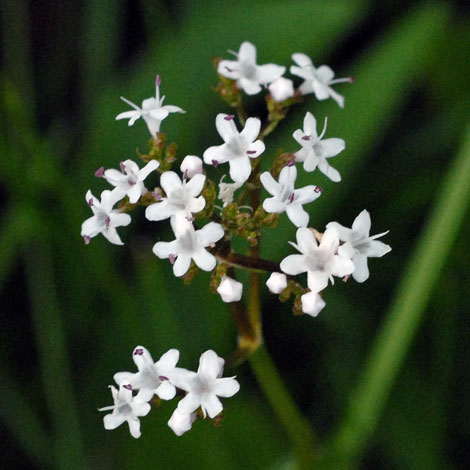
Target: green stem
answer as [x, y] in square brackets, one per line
[295, 425]
[401, 323]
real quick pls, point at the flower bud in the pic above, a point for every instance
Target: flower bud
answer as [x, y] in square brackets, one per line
[190, 166]
[281, 89]
[276, 283]
[230, 290]
[312, 303]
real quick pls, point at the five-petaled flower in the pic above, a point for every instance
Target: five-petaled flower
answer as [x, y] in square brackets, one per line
[105, 219]
[238, 148]
[359, 245]
[153, 110]
[286, 198]
[246, 72]
[130, 180]
[317, 80]
[126, 408]
[205, 386]
[181, 197]
[321, 262]
[152, 378]
[315, 151]
[189, 244]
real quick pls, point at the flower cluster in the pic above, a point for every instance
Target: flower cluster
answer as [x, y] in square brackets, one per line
[201, 389]
[203, 230]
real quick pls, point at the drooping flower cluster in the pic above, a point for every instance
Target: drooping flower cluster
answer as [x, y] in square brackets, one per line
[203, 231]
[202, 389]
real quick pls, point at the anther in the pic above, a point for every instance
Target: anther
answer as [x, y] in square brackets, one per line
[107, 221]
[172, 258]
[86, 239]
[306, 137]
[122, 167]
[229, 117]
[99, 172]
[251, 152]
[158, 80]
[215, 163]
[90, 202]
[127, 386]
[318, 189]
[139, 352]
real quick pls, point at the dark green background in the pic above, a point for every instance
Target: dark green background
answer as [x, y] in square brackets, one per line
[71, 314]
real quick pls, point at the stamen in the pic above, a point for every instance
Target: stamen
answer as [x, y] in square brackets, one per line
[291, 162]
[172, 258]
[306, 137]
[99, 172]
[318, 189]
[130, 103]
[139, 352]
[185, 175]
[346, 278]
[189, 218]
[127, 386]
[251, 152]
[122, 167]
[90, 202]
[229, 117]
[162, 378]
[215, 163]
[107, 221]
[324, 130]
[86, 239]
[158, 80]
[291, 197]
[157, 194]
[229, 69]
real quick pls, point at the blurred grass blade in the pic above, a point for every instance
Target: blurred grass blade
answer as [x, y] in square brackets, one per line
[50, 335]
[402, 321]
[21, 420]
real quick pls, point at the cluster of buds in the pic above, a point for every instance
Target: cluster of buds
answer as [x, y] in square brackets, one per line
[162, 379]
[204, 228]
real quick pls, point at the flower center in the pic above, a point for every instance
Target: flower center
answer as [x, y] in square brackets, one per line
[248, 70]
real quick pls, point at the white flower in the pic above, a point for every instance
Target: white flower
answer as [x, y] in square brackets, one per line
[205, 386]
[190, 166]
[104, 219]
[286, 198]
[317, 80]
[181, 422]
[181, 197]
[152, 112]
[130, 180]
[312, 303]
[238, 148]
[315, 151]
[230, 290]
[281, 89]
[227, 190]
[359, 245]
[276, 283]
[319, 261]
[126, 408]
[190, 244]
[244, 70]
[152, 378]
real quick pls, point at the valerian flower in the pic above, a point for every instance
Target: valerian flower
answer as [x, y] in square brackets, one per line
[181, 197]
[317, 80]
[238, 148]
[152, 112]
[126, 408]
[152, 378]
[190, 244]
[230, 290]
[205, 386]
[359, 245]
[286, 198]
[315, 151]
[105, 219]
[246, 72]
[320, 262]
[130, 180]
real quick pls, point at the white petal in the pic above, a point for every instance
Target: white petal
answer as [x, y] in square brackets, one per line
[159, 211]
[306, 87]
[164, 249]
[274, 205]
[166, 390]
[377, 249]
[306, 194]
[153, 125]
[112, 421]
[344, 233]
[306, 240]
[170, 182]
[288, 176]
[311, 161]
[240, 169]
[270, 184]
[210, 233]
[325, 74]
[269, 73]
[294, 264]
[196, 205]
[159, 113]
[317, 280]
[114, 177]
[255, 149]
[251, 130]
[341, 266]
[133, 115]
[250, 87]
[329, 171]
[216, 153]
[181, 422]
[361, 270]
[204, 260]
[142, 358]
[225, 128]
[337, 97]
[212, 405]
[173, 109]
[168, 361]
[91, 227]
[362, 223]
[195, 184]
[112, 236]
[134, 427]
[332, 147]
[152, 165]
[229, 69]
[210, 365]
[301, 59]
[181, 265]
[322, 92]
[297, 215]
[134, 193]
[189, 403]
[226, 387]
[310, 126]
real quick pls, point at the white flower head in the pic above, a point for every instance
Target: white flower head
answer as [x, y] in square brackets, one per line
[246, 72]
[286, 198]
[152, 378]
[230, 290]
[359, 245]
[189, 244]
[181, 422]
[276, 283]
[317, 80]
[182, 196]
[238, 148]
[227, 191]
[152, 112]
[315, 151]
[312, 303]
[126, 408]
[282, 89]
[130, 180]
[205, 386]
[320, 262]
[190, 166]
[105, 219]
